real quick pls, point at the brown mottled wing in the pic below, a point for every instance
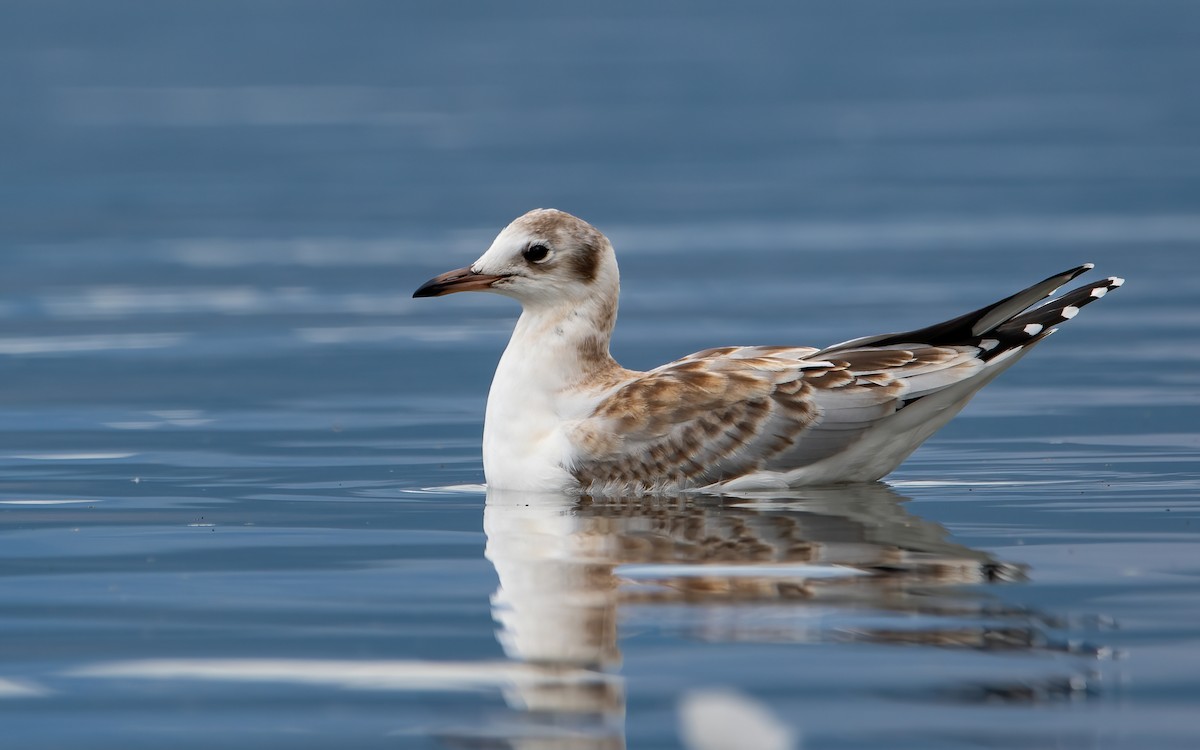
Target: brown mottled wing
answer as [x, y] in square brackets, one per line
[693, 422]
[723, 413]
[862, 388]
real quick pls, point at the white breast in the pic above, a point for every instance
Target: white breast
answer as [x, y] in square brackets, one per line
[524, 447]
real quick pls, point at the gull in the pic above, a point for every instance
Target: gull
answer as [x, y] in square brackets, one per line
[562, 415]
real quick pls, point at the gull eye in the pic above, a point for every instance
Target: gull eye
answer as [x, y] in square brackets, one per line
[536, 253]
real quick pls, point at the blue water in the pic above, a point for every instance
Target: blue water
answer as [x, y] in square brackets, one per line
[241, 497]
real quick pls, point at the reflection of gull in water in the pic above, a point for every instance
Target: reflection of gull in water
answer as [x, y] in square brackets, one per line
[830, 564]
[566, 565]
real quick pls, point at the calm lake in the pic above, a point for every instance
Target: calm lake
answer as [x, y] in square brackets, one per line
[241, 494]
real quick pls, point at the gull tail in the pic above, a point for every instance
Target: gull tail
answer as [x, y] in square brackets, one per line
[1039, 322]
[1000, 327]
[989, 341]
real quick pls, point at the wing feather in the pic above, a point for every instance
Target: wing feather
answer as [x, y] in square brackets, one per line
[691, 423]
[725, 413]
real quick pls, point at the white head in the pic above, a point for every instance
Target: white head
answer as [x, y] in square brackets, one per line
[544, 258]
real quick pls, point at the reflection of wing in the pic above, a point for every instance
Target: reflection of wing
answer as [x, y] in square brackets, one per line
[836, 542]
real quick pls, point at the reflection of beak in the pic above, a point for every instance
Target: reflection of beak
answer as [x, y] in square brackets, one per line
[458, 280]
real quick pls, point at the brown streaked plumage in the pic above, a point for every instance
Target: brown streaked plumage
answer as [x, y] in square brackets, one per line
[563, 415]
[687, 426]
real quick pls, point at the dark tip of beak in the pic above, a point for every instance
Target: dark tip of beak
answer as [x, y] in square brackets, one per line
[458, 280]
[432, 288]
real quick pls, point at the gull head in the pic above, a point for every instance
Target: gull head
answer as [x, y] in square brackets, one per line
[545, 258]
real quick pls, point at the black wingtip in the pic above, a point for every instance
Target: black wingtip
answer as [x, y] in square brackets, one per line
[1033, 325]
[979, 323]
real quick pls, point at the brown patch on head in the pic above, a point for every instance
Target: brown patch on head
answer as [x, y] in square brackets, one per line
[584, 261]
[580, 245]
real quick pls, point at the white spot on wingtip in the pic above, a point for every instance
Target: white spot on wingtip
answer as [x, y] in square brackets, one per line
[1116, 281]
[1099, 292]
[1034, 329]
[1069, 312]
[988, 344]
[1089, 266]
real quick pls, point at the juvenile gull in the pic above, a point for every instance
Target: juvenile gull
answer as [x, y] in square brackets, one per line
[563, 416]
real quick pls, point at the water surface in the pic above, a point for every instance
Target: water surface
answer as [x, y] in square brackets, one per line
[241, 498]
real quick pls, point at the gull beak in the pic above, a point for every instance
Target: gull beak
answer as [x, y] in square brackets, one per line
[458, 280]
